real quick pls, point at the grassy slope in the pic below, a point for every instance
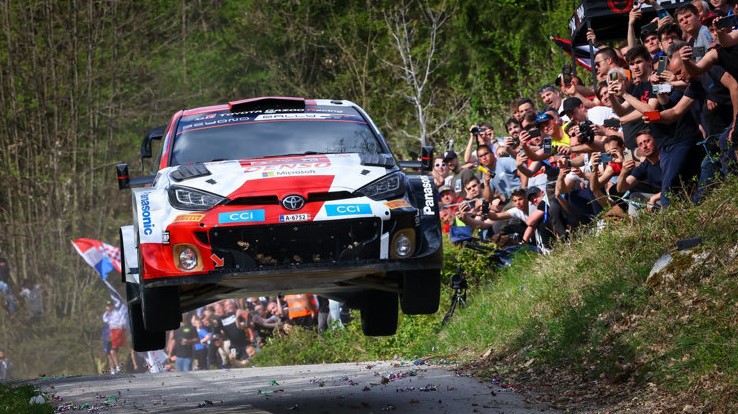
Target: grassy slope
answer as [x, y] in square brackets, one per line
[585, 315]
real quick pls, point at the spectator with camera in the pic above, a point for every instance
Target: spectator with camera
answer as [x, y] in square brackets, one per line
[642, 179]
[668, 34]
[648, 33]
[449, 206]
[607, 59]
[500, 176]
[511, 143]
[679, 119]
[630, 101]
[481, 134]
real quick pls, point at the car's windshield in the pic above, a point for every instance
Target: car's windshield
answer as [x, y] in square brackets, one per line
[226, 136]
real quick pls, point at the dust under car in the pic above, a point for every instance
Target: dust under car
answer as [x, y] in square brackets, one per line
[272, 196]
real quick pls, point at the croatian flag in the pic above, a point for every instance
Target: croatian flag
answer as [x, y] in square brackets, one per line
[102, 256]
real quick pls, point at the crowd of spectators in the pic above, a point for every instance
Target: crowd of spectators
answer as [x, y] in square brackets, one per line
[229, 332]
[659, 124]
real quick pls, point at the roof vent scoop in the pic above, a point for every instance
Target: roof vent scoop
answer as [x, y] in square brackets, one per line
[275, 103]
[187, 171]
[378, 160]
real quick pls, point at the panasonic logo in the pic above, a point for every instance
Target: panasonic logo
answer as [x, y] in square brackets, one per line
[148, 226]
[428, 194]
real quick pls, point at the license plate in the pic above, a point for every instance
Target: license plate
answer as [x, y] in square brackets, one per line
[286, 218]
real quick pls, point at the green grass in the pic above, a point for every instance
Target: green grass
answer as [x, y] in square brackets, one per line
[15, 400]
[585, 308]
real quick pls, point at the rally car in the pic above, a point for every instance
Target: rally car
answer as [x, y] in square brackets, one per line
[278, 195]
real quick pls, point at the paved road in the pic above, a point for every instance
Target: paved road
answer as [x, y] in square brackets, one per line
[363, 388]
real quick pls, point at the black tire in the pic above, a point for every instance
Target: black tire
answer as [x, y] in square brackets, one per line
[160, 308]
[159, 305]
[379, 313]
[142, 339]
[421, 292]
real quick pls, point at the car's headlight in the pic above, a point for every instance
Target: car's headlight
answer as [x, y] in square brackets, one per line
[386, 188]
[183, 198]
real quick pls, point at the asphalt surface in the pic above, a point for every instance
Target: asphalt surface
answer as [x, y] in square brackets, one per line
[372, 387]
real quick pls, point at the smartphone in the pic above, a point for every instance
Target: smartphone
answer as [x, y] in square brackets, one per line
[652, 115]
[611, 123]
[605, 158]
[727, 22]
[661, 66]
[613, 76]
[547, 147]
[661, 88]
[698, 52]
[627, 155]
[662, 13]
[534, 133]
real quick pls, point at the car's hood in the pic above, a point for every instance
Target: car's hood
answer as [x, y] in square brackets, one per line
[280, 176]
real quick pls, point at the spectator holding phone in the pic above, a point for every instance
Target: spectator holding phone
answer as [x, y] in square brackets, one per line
[644, 179]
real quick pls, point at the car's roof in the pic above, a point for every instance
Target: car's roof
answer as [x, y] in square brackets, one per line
[308, 102]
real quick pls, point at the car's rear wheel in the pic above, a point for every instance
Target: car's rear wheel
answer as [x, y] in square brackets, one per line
[379, 313]
[421, 292]
[142, 339]
[159, 305]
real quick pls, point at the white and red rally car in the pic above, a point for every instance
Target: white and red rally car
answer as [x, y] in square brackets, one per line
[272, 196]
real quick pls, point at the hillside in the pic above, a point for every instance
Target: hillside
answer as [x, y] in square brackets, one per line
[585, 326]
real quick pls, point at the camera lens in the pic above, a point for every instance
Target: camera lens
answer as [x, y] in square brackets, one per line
[475, 130]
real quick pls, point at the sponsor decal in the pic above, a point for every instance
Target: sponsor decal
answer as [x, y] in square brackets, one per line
[620, 6]
[428, 195]
[347, 209]
[148, 226]
[189, 218]
[395, 204]
[242, 216]
[291, 116]
[165, 237]
[268, 174]
[288, 218]
[293, 165]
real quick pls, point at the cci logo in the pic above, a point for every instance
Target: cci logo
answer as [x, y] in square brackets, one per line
[347, 209]
[243, 216]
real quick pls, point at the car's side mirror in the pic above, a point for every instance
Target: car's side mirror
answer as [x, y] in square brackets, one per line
[426, 158]
[125, 181]
[425, 163]
[156, 133]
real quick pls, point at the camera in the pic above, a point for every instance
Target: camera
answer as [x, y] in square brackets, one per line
[458, 282]
[515, 142]
[474, 130]
[661, 88]
[586, 134]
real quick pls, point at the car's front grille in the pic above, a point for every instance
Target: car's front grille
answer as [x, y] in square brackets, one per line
[326, 242]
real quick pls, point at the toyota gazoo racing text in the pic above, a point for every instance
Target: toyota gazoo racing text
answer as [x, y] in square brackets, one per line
[273, 196]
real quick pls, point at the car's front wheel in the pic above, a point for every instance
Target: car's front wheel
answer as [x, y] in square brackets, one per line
[159, 305]
[143, 340]
[421, 292]
[379, 313]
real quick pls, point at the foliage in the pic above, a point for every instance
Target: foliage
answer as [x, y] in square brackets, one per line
[14, 400]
